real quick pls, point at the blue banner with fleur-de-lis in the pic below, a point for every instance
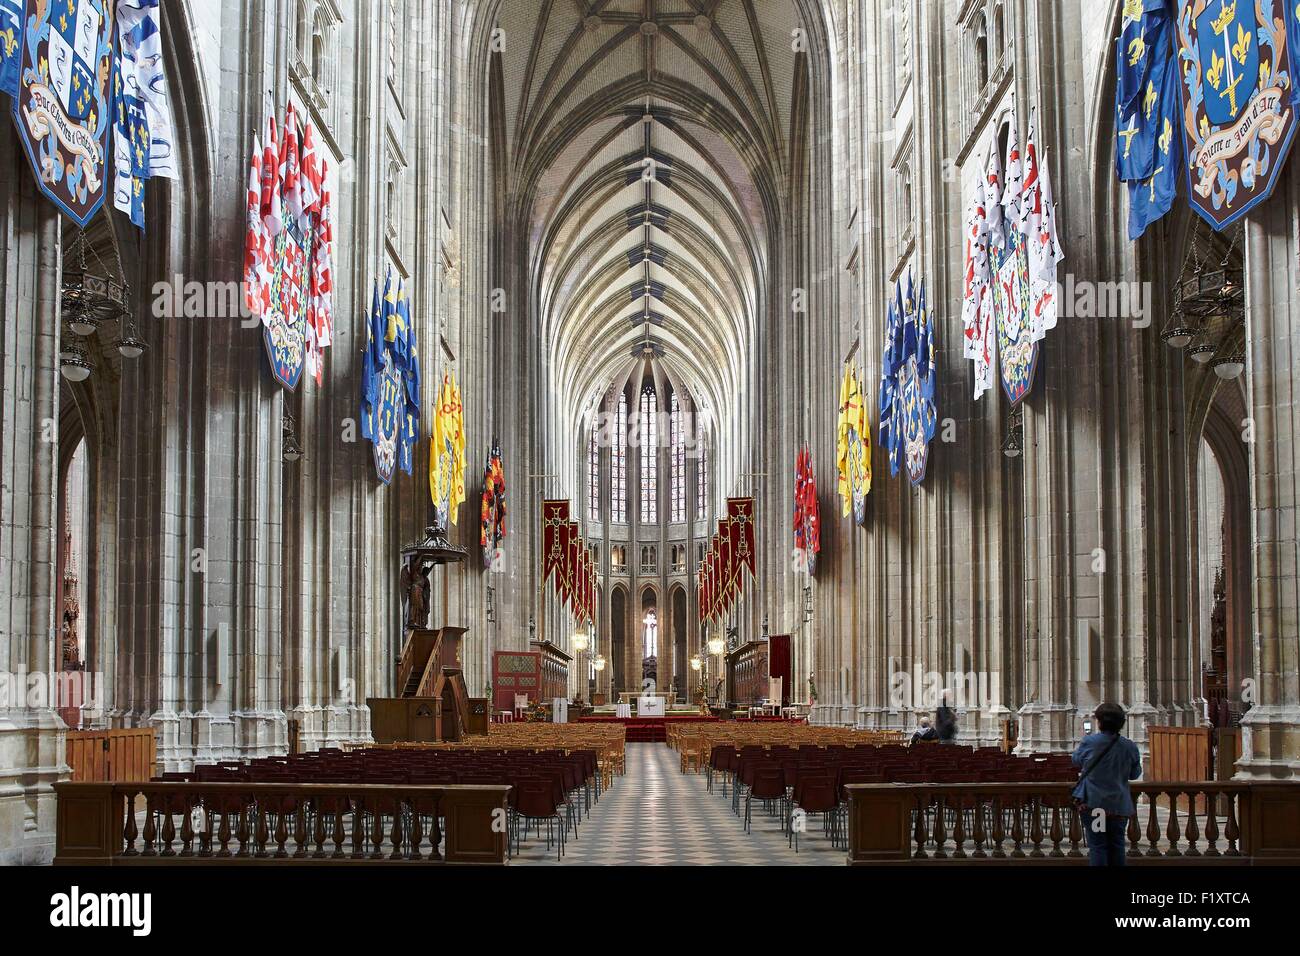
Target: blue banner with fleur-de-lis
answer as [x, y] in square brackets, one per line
[63, 105]
[1238, 96]
[11, 44]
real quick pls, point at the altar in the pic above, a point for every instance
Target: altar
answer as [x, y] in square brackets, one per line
[650, 705]
[668, 700]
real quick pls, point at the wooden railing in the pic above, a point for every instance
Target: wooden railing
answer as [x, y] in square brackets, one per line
[1187, 823]
[119, 824]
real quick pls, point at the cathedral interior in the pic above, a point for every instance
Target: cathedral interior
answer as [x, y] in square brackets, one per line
[633, 250]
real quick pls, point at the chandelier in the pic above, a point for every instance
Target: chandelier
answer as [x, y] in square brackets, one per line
[1209, 309]
[92, 294]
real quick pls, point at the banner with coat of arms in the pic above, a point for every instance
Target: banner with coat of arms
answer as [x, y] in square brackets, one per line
[391, 381]
[63, 103]
[1239, 100]
[447, 454]
[492, 530]
[853, 447]
[288, 252]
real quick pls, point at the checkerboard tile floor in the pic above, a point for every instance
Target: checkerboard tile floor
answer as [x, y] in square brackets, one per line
[658, 816]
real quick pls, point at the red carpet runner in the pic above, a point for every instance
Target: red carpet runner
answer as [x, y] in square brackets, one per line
[646, 730]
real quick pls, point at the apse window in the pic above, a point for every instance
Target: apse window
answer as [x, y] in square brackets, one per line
[649, 458]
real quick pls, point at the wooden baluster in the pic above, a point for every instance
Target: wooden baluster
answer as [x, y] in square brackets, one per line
[339, 838]
[1192, 830]
[1134, 834]
[281, 830]
[1153, 825]
[187, 827]
[940, 829]
[1055, 833]
[223, 833]
[1171, 830]
[417, 833]
[395, 831]
[358, 830]
[1211, 826]
[1231, 831]
[262, 833]
[300, 845]
[999, 830]
[130, 832]
[918, 831]
[377, 831]
[150, 827]
[1018, 826]
[979, 853]
[1076, 831]
[242, 832]
[205, 836]
[435, 830]
[1036, 827]
[318, 828]
[168, 827]
[959, 828]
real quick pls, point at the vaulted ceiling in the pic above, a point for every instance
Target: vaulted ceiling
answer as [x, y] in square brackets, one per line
[708, 89]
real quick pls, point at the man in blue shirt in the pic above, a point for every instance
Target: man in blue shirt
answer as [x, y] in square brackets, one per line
[1107, 762]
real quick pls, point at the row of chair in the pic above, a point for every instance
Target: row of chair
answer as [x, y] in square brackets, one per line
[550, 787]
[806, 781]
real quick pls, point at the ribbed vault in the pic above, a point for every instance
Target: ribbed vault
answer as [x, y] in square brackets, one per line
[646, 143]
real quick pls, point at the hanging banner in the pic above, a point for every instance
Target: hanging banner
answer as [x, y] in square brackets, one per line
[63, 106]
[390, 400]
[1238, 96]
[807, 514]
[555, 526]
[853, 447]
[11, 44]
[740, 524]
[492, 529]
[916, 381]
[1016, 345]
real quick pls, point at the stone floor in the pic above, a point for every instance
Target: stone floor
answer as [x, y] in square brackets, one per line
[655, 815]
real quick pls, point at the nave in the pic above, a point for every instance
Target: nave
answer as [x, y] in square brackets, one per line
[658, 816]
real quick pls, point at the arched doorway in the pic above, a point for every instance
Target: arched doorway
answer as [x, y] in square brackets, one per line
[1223, 568]
[681, 675]
[618, 641]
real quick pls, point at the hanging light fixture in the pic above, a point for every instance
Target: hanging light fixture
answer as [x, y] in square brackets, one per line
[1229, 367]
[581, 641]
[1013, 444]
[716, 645]
[599, 662]
[1202, 353]
[132, 344]
[290, 449]
[91, 293]
[696, 662]
[73, 364]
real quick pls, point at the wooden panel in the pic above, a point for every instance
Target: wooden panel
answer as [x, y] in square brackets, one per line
[879, 818]
[1179, 753]
[119, 756]
[404, 719]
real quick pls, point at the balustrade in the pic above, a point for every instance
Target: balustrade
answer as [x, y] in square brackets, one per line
[174, 822]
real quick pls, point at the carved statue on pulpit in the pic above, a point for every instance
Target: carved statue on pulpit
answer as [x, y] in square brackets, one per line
[415, 594]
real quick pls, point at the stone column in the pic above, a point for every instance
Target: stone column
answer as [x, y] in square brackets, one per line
[31, 733]
[1271, 728]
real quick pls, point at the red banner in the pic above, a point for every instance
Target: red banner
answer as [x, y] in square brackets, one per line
[572, 544]
[740, 521]
[555, 524]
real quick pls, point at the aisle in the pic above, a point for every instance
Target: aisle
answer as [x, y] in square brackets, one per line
[658, 816]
